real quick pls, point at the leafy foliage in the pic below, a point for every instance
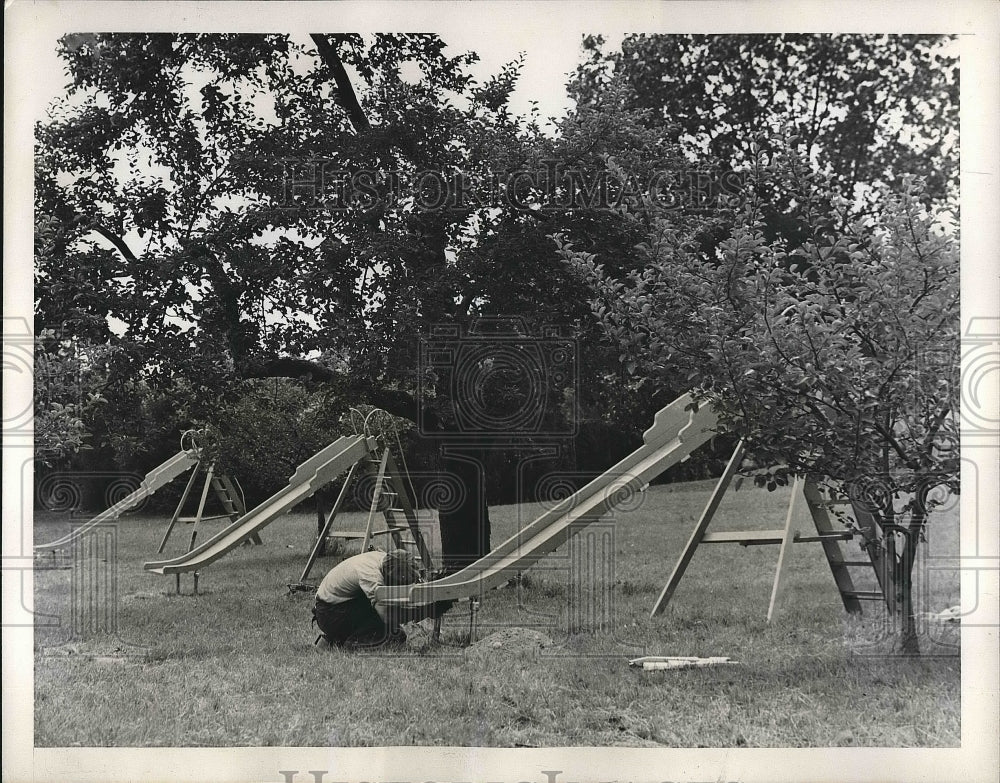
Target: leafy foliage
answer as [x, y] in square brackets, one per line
[871, 109]
[838, 357]
[188, 203]
[272, 427]
[68, 376]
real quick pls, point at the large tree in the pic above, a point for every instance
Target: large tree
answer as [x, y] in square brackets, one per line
[222, 207]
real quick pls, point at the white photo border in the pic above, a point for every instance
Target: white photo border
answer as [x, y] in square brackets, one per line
[32, 26]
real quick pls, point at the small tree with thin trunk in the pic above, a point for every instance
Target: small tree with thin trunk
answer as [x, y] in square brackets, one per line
[835, 357]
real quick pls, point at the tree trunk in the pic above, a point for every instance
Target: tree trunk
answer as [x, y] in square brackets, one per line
[900, 556]
[465, 524]
[909, 641]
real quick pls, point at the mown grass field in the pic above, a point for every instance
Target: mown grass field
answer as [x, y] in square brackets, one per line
[236, 666]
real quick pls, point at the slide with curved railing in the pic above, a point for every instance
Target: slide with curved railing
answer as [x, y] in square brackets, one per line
[318, 470]
[678, 429]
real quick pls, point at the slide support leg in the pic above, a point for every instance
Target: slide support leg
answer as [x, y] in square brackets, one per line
[699, 530]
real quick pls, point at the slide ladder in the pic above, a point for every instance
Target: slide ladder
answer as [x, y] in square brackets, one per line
[678, 429]
[840, 563]
[390, 498]
[828, 533]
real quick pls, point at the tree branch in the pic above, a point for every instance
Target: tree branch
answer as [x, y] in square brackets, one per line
[290, 367]
[345, 90]
[117, 241]
[394, 401]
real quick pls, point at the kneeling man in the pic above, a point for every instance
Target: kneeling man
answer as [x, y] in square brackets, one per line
[347, 610]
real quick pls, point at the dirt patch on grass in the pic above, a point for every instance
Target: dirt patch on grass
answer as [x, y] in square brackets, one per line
[97, 650]
[513, 641]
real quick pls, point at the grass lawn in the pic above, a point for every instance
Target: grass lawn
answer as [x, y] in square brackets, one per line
[235, 665]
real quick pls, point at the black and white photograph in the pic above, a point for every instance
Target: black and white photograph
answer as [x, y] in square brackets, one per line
[501, 391]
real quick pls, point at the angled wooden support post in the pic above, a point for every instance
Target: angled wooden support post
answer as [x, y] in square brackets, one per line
[699, 531]
[180, 505]
[786, 547]
[327, 524]
[225, 491]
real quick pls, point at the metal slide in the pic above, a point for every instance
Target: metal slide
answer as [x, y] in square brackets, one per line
[158, 477]
[676, 432]
[320, 469]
